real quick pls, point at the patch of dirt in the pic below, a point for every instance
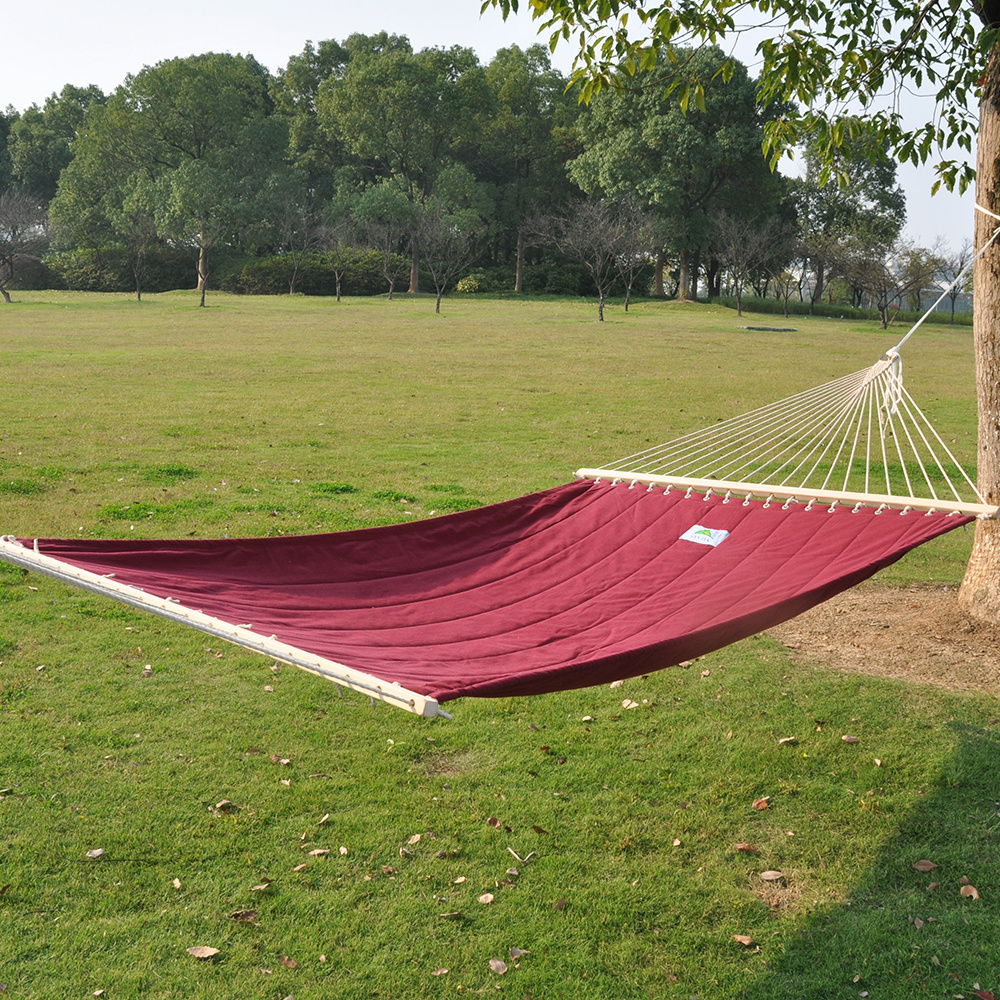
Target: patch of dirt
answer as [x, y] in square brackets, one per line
[916, 633]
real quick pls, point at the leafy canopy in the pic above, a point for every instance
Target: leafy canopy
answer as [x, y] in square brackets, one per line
[835, 60]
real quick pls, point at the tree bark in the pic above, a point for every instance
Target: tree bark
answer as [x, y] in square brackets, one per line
[519, 267]
[695, 271]
[414, 268]
[980, 590]
[684, 279]
[658, 290]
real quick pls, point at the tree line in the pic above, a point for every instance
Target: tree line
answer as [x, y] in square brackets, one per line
[386, 168]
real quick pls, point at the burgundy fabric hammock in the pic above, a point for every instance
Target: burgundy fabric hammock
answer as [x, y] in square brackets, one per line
[578, 585]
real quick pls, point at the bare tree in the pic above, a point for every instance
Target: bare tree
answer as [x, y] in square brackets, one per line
[743, 247]
[24, 230]
[299, 222]
[588, 232]
[637, 240]
[885, 273]
[953, 265]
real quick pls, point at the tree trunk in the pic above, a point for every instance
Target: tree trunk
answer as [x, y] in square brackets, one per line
[980, 591]
[414, 268]
[6, 295]
[817, 295]
[658, 290]
[519, 267]
[600, 307]
[695, 269]
[684, 279]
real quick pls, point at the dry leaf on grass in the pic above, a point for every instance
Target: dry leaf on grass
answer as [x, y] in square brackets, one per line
[202, 951]
[343, 851]
[743, 939]
[924, 866]
[96, 853]
[494, 822]
[498, 965]
[459, 880]
[244, 916]
[486, 898]
[319, 851]
[762, 803]
[518, 952]
[288, 963]
[628, 703]
[298, 868]
[772, 876]
[326, 816]
[970, 892]
[225, 806]
[440, 972]
[538, 829]
[849, 739]
[786, 739]
[177, 883]
[744, 846]
[415, 839]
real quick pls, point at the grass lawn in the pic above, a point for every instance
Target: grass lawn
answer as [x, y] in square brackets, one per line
[616, 851]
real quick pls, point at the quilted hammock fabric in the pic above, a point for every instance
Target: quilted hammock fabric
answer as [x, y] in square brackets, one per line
[578, 585]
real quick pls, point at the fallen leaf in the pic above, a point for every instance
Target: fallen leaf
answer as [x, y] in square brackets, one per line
[772, 876]
[298, 868]
[4, 888]
[177, 883]
[538, 829]
[970, 892]
[97, 852]
[459, 880]
[268, 687]
[263, 887]
[440, 972]
[486, 898]
[498, 965]
[202, 951]
[494, 822]
[415, 839]
[288, 963]
[744, 846]
[388, 870]
[326, 816]
[849, 739]
[761, 803]
[588, 718]
[343, 851]
[984, 995]
[924, 866]
[531, 725]
[918, 923]
[317, 852]
[559, 903]
[743, 939]
[706, 673]
[98, 993]
[244, 916]
[933, 886]
[452, 915]
[786, 739]
[965, 880]
[677, 842]
[518, 952]
[617, 684]
[226, 806]
[278, 759]
[878, 762]
[628, 703]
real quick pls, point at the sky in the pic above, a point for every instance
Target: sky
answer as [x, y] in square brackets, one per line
[101, 41]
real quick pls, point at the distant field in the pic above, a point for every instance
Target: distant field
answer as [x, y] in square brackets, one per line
[289, 415]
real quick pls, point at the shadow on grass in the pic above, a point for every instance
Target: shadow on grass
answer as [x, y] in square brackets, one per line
[905, 933]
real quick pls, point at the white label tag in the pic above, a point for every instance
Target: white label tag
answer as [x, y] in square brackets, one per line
[705, 536]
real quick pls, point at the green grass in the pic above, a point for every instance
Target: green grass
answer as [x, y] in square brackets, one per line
[263, 416]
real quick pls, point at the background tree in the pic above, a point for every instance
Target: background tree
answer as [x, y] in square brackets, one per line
[588, 232]
[7, 119]
[867, 201]
[521, 153]
[684, 167]
[406, 116]
[451, 225]
[952, 265]
[387, 220]
[23, 231]
[41, 138]
[830, 60]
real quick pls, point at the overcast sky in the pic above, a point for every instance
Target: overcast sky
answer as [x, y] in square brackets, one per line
[101, 41]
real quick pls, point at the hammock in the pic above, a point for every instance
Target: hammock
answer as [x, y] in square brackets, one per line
[660, 558]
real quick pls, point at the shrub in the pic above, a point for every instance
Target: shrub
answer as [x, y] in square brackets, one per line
[270, 275]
